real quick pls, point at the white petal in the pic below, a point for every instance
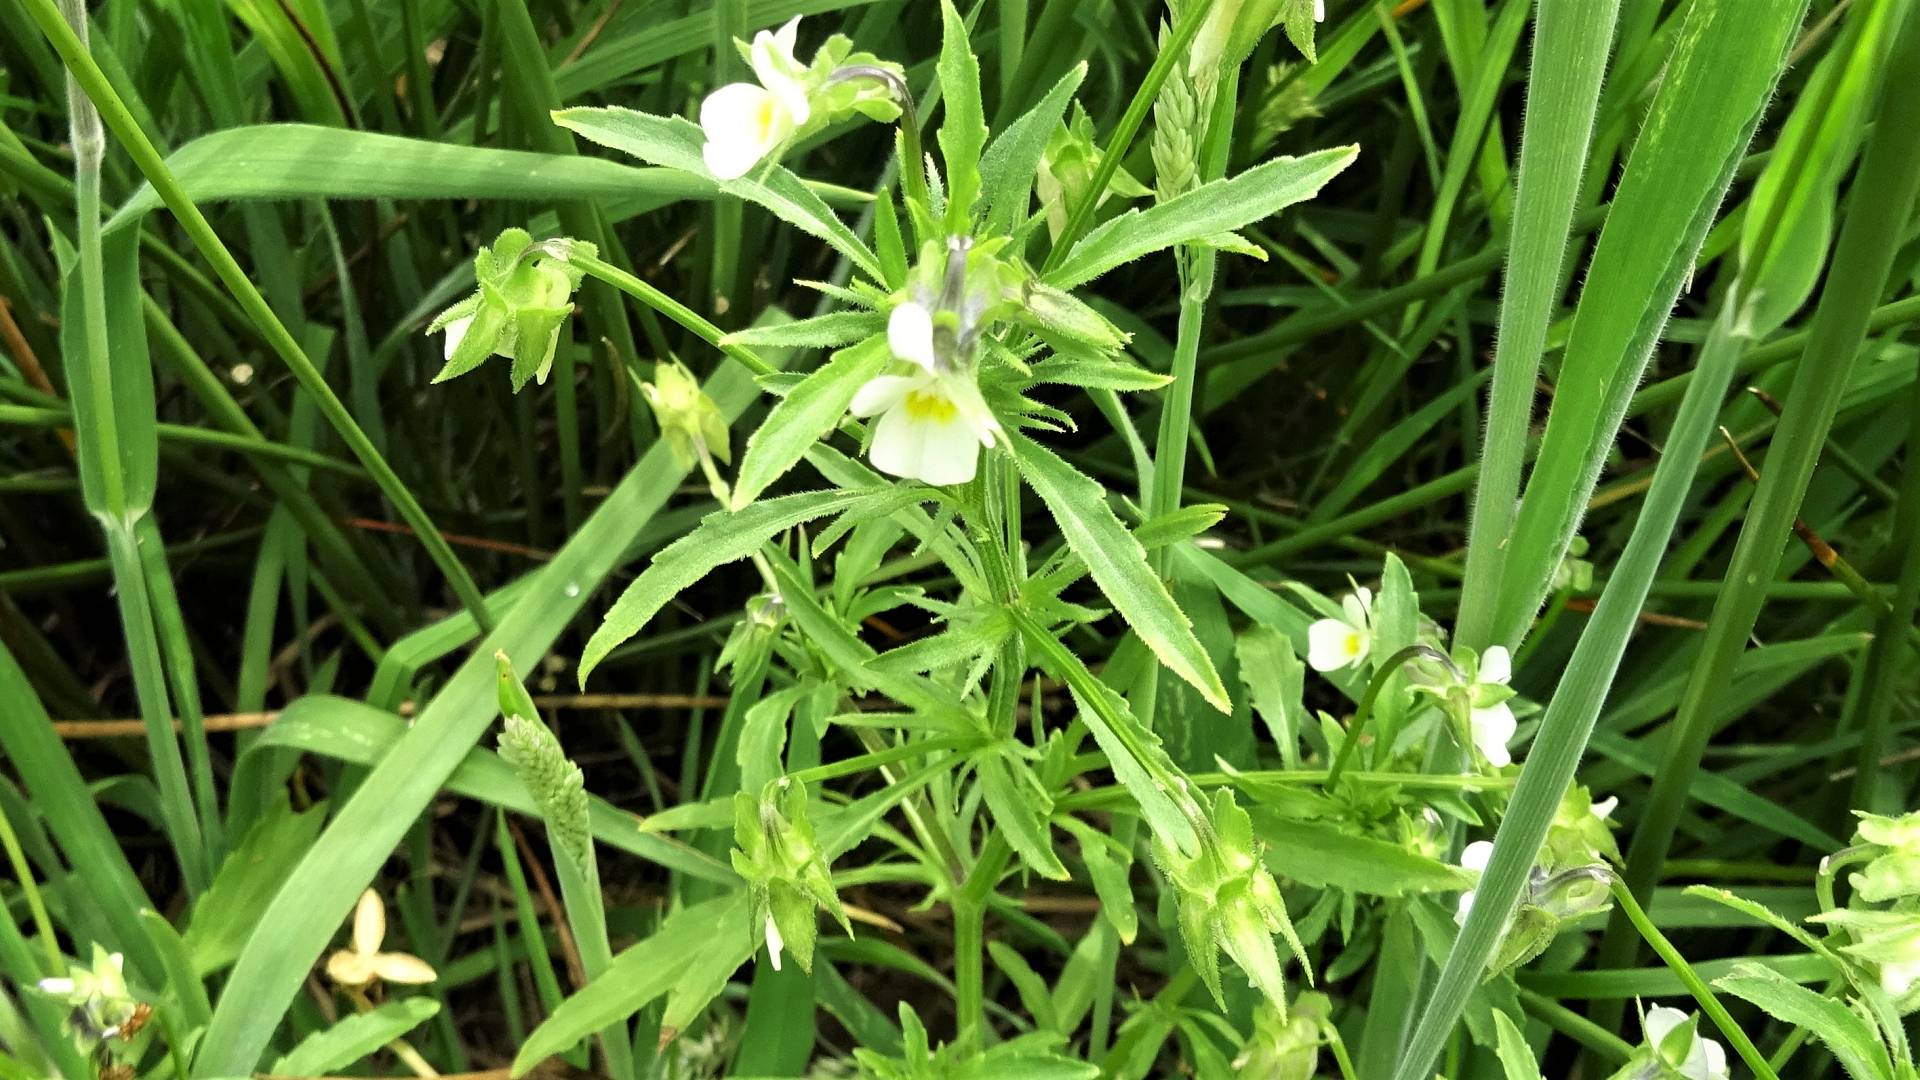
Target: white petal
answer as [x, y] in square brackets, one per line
[774, 943]
[1660, 1021]
[1895, 978]
[1329, 644]
[774, 65]
[924, 438]
[880, 394]
[369, 923]
[402, 968]
[1492, 727]
[1358, 605]
[965, 394]
[1716, 1060]
[57, 987]
[743, 122]
[1496, 666]
[1319, 10]
[456, 330]
[910, 335]
[1604, 808]
[1475, 855]
[1466, 906]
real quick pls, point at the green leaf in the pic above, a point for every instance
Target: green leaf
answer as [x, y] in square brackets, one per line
[1216, 207]
[832, 330]
[304, 915]
[809, 411]
[297, 161]
[1852, 1039]
[1021, 810]
[1322, 855]
[690, 949]
[1711, 97]
[1027, 983]
[252, 874]
[1275, 678]
[1097, 374]
[675, 142]
[329, 1051]
[723, 537]
[1516, 1057]
[1012, 160]
[964, 130]
[1119, 565]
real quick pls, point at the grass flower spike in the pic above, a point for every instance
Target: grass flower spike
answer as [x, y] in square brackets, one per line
[746, 123]
[362, 962]
[1333, 644]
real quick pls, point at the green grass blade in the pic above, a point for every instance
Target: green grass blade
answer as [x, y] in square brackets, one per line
[303, 916]
[1883, 201]
[1711, 98]
[1569, 61]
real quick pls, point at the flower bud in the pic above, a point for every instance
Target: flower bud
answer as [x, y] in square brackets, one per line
[1067, 168]
[522, 307]
[785, 869]
[1895, 871]
[1285, 1046]
[1228, 901]
[689, 420]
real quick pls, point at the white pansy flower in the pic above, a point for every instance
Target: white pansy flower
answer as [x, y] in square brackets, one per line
[932, 422]
[1705, 1060]
[745, 122]
[1473, 858]
[1494, 725]
[1336, 643]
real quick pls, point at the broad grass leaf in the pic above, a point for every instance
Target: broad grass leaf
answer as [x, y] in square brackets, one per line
[1853, 1041]
[251, 874]
[1119, 565]
[1012, 160]
[297, 161]
[807, 412]
[692, 946]
[723, 537]
[330, 1050]
[675, 141]
[1217, 207]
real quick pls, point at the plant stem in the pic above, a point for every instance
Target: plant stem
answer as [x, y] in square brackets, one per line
[1691, 979]
[665, 305]
[969, 945]
[22, 870]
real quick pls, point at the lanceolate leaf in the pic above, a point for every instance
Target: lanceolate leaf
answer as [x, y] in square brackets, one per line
[1008, 167]
[1852, 1039]
[809, 411]
[964, 131]
[722, 537]
[1014, 810]
[330, 1050]
[1119, 566]
[1217, 207]
[831, 330]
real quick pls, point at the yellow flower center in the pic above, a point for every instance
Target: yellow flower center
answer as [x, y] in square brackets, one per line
[924, 405]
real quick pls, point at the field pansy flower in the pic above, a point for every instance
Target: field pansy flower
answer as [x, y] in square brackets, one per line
[746, 122]
[933, 422]
[1336, 643]
[1705, 1059]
